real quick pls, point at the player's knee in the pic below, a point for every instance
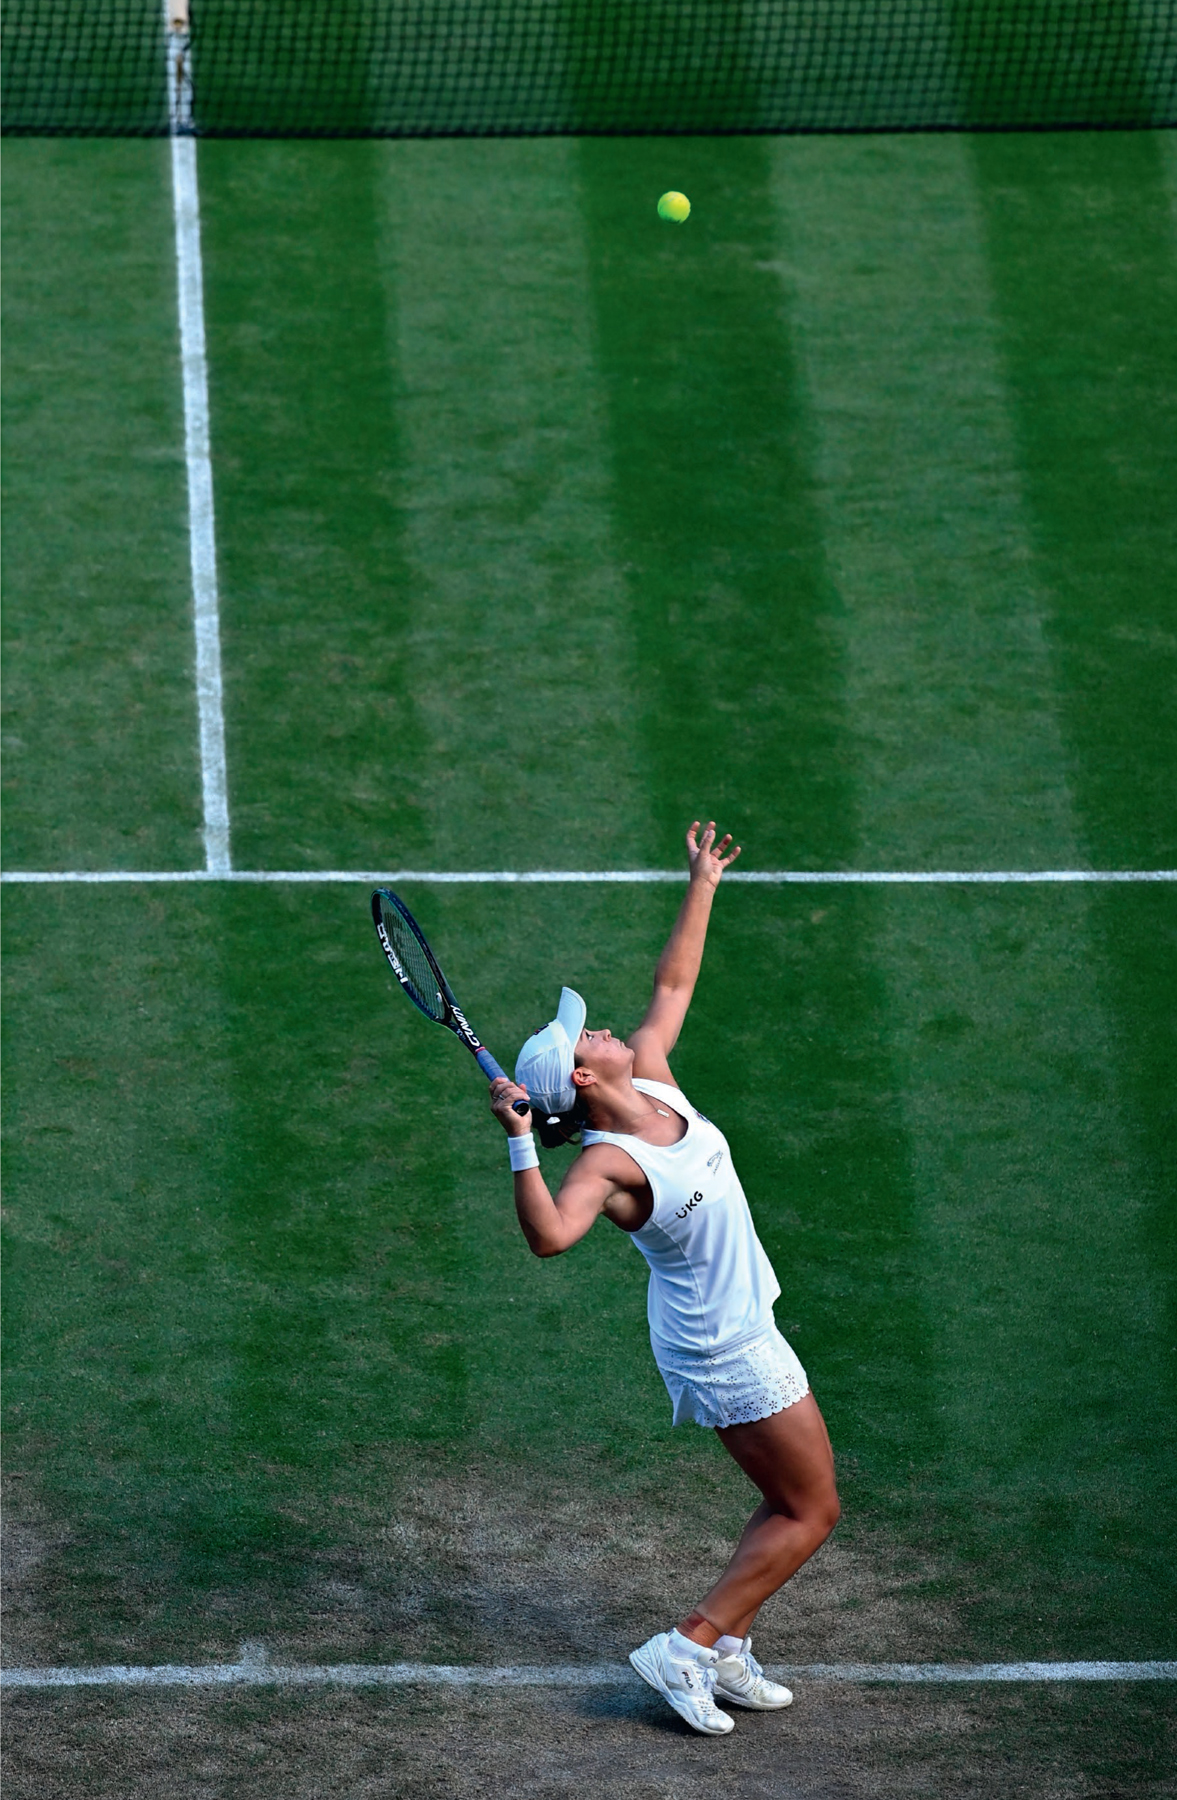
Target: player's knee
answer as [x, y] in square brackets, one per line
[826, 1515]
[819, 1516]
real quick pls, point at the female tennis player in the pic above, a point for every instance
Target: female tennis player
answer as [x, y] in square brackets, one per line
[663, 1173]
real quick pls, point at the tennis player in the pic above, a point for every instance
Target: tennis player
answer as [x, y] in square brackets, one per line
[663, 1173]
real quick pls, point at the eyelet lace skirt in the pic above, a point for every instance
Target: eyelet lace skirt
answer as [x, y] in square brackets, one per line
[733, 1387]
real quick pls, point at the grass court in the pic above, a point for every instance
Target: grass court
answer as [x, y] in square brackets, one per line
[843, 514]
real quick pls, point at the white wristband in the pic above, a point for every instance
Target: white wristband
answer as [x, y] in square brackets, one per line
[523, 1151]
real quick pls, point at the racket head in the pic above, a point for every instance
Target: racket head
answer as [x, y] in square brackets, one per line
[410, 958]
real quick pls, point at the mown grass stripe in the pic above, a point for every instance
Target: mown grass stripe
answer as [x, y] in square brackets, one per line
[518, 651]
[256, 1672]
[315, 595]
[1090, 370]
[952, 720]
[742, 701]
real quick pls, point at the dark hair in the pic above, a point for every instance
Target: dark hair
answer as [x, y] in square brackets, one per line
[557, 1129]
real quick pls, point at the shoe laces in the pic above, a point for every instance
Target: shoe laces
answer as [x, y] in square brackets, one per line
[750, 1668]
[699, 1674]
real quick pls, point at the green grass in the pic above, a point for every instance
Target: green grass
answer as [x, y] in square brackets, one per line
[276, 1242]
[841, 512]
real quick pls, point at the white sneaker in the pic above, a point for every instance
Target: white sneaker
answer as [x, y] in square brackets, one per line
[741, 1680]
[686, 1682]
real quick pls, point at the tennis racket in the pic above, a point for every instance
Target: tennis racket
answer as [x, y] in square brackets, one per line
[415, 967]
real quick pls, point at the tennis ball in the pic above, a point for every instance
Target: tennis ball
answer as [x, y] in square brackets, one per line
[674, 206]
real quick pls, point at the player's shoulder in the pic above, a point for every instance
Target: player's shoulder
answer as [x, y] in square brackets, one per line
[649, 1057]
[611, 1163]
[598, 1155]
[661, 1090]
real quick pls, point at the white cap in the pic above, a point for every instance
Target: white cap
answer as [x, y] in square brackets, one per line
[547, 1059]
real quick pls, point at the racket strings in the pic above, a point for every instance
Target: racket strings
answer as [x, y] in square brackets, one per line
[415, 970]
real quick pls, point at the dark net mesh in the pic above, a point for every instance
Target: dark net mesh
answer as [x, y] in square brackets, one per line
[447, 68]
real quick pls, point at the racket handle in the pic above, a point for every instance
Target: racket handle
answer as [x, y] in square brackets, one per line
[493, 1072]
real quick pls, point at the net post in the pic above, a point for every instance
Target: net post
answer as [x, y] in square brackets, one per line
[179, 56]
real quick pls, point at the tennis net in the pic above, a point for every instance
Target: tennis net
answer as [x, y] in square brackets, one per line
[451, 68]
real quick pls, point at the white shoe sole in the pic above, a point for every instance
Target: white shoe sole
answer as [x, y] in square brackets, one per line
[643, 1662]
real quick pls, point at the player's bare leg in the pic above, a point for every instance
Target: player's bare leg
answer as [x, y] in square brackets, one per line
[788, 1457]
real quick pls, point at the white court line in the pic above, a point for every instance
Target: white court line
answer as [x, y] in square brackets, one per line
[201, 531]
[771, 877]
[254, 1670]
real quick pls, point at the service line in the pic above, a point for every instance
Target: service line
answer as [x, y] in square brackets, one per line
[767, 877]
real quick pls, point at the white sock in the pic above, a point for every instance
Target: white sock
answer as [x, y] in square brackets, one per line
[685, 1647]
[729, 1646]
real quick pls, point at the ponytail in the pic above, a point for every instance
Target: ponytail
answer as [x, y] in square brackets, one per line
[558, 1129]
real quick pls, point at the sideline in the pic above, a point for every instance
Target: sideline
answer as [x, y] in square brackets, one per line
[201, 529]
[255, 1670]
[773, 877]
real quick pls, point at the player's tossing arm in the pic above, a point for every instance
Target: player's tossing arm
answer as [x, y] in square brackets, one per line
[551, 1226]
[679, 963]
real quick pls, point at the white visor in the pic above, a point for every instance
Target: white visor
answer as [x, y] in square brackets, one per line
[548, 1058]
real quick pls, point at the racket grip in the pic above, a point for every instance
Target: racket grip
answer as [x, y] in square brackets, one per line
[493, 1072]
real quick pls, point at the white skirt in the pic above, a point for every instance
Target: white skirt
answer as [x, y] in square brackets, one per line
[733, 1387]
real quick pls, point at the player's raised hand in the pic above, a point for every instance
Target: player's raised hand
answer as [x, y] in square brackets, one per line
[707, 858]
[503, 1095]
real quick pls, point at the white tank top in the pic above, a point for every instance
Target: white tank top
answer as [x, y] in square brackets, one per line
[711, 1284]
